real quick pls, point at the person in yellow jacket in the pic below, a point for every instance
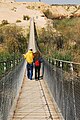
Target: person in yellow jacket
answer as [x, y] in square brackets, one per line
[29, 59]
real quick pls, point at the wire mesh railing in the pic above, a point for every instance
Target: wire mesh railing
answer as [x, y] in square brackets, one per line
[10, 85]
[63, 80]
[8, 65]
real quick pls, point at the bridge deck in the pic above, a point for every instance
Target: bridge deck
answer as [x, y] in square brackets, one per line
[33, 104]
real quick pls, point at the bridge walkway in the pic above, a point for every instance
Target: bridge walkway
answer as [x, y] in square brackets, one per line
[35, 103]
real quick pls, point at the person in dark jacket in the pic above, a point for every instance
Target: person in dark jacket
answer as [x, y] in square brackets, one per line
[37, 63]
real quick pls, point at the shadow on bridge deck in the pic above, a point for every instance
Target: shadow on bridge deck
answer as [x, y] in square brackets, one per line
[35, 103]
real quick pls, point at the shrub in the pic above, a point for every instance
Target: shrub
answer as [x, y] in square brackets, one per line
[25, 17]
[13, 39]
[1, 39]
[48, 14]
[4, 22]
[18, 21]
[66, 56]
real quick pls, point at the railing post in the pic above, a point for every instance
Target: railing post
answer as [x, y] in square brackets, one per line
[19, 60]
[60, 64]
[3, 95]
[52, 62]
[55, 62]
[56, 80]
[55, 65]
[71, 67]
[11, 65]
[4, 66]
[15, 61]
[49, 60]
[63, 106]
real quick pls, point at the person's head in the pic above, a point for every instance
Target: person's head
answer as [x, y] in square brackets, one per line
[37, 54]
[31, 49]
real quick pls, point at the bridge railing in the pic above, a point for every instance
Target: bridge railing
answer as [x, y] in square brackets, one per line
[8, 65]
[63, 80]
[10, 85]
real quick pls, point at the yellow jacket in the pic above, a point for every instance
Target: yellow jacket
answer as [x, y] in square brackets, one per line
[29, 57]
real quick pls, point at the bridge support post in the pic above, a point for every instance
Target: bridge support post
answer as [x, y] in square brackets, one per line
[63, 103]
[11, 65]
[4, 66]
[71, 67]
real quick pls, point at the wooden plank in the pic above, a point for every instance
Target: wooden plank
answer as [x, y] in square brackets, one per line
[31, 104]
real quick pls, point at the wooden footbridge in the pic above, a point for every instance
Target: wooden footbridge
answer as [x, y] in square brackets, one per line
[34, 102]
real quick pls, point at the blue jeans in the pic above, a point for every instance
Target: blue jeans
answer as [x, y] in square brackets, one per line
[29, 70]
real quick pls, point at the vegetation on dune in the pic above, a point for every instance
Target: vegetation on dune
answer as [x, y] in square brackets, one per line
[70, 29]
[64, 43]
[12, 41]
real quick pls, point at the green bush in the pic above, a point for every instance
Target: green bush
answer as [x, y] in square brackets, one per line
[66, 56]
[13, 42]
[1, 39]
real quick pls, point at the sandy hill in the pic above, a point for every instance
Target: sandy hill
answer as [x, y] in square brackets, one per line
[14, 11]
